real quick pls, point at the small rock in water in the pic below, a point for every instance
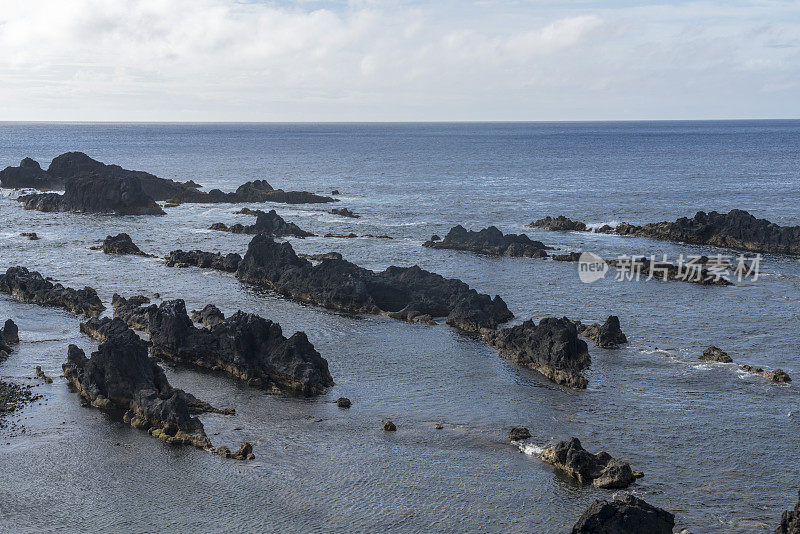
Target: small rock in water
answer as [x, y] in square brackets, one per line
[518, 433]
[30, 235]
[245, 452]
[777, 375]
[40, 374]
[715, 354]
[389, 426]
[438, 426]
[343, 402]
[10, 332]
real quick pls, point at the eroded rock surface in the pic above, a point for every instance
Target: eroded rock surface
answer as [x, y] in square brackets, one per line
[269, 223]
[121, 244]
[490, 241]
[628, 515]
[551, 348]
[29, 174]
[206, 260]
[598, 469]
[609, 335]
[30, 286]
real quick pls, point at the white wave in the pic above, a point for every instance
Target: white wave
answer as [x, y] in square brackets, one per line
[593, 227]
[531, 449]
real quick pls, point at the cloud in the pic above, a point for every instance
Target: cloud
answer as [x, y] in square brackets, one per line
[369, 60]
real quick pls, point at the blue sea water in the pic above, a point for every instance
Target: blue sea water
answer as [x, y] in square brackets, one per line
[720, 448]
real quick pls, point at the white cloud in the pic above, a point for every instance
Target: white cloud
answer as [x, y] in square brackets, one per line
[369, 60]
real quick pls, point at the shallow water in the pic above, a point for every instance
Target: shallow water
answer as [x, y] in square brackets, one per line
[719, 447]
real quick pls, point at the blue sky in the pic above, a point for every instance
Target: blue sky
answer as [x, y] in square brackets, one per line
[365, 60]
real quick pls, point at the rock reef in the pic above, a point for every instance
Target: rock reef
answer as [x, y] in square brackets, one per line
[9, 335]
[598, 469]
[551, 348]
[609, 335]
[404, 293]
[96, 194]
[29, 174]
[269, 223]
[344, 212]
[490, 241]
[560, 223]
[715, 354]
[245, 346]
[206, 260]
[628, 515]
[32, 287]
[120, 378]
[121, 244]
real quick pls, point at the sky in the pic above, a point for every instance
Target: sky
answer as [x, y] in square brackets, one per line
[407, 60]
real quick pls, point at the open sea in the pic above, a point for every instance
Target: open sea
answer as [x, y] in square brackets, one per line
[719, 448]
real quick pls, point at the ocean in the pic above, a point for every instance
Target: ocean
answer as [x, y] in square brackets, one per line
[719, 447]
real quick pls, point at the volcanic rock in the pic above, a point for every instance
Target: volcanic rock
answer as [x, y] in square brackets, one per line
[559, 223]
[598, 469]
[628, 515]
[490, 241]
[30, 286]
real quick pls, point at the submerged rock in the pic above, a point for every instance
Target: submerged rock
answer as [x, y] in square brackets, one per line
[96, 194]
[121, 244]
[343, 402]
[245, 346]
[344, 212]
[628, 515]
[737, 229]
[207, 260]
[715, 354]
[518, 433]
[269, 223]
[608, 335]
[598, 469]
[30, 286]
[490, 241]
[120, 378]
[388, 426]
[559, 223]
[208, 316]
[790, 521]
[401, 292]
[33, 236]
[245, 452]
[29, 174]
[552, 348]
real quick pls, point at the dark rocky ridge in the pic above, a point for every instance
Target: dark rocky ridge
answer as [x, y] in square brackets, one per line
[490, 241]
[404, 293]
[96, 194]
[560, 223]
[598, 469]
[628, 515]
[208, 316]
[133, 311]
[121, 244]
[120, 378]
[30, 286]
[10, 332]
[344, 212]
[552, 348]
[29, 174]
[609, 335]
[269, 223]
[206, 260]
[73, 165]
[245, 346]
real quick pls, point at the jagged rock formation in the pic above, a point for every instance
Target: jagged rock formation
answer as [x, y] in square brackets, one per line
[715, 354]
[133, 311]
[790, 521]
[598, 469]
[608, 335]
[206, 260]
[269, 223]
[404, 293]
[121, 244]
[344, 212]
[552, 348]
[29, 174]
[245, 346]
[104, 329]
[737, 229]
[96, 194]
[208, 316]
[490, 241]
[119, 377]
[628, 515]
[245, 452]
[559, 223]
[30, 286]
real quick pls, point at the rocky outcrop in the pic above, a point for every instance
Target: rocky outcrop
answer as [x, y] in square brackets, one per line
[10, 332]
[778, 376]
[518, 433]
[245, 346]
[269, 223]
[790, 521]
[715, 354]
[343, 402]
[559, 223]
[96, 194]
[104, 329]
[29, 174]
[401, 292]
[120, 378]
[490, 241]
[133, 311]
[208, 316]
[30, 286]
[697, 271]
[598, 469]
[628, 515]
[551, 348]
[32, 236]
[737, 229]
[344, 212]
[206, 260]
[121, 244]
[245, 452]
[609, 335]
